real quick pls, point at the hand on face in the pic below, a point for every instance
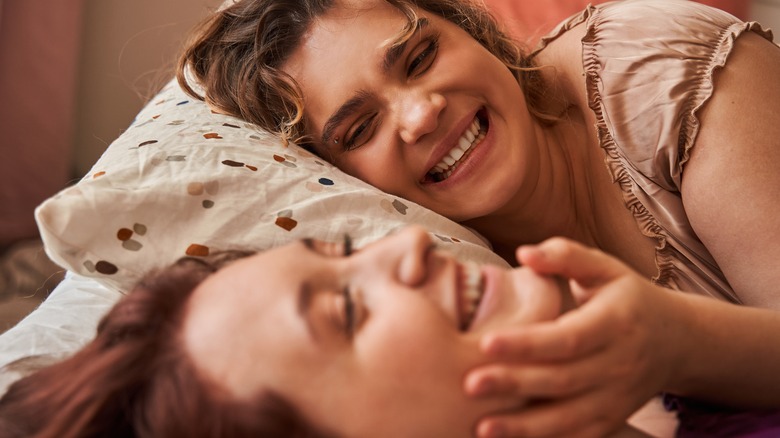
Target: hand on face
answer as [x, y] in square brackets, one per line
[590, 369]
[386, 332]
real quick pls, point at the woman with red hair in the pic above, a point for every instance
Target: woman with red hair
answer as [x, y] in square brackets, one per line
[668, 251]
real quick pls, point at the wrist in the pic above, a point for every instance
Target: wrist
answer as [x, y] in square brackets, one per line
[681, 341]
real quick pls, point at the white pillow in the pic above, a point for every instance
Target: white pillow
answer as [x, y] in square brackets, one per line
[184, 180]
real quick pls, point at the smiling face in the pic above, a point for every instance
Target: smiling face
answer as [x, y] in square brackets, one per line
[434, 118]
[373, 344]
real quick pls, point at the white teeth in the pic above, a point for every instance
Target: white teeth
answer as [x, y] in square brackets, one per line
[466, 142]
[470, 137]
[471, 280]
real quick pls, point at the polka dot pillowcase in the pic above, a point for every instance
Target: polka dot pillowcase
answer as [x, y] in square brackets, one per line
[185, 181]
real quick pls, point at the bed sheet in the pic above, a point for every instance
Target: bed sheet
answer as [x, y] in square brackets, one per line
[64, 322]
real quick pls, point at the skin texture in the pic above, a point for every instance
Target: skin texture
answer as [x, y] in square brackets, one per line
[406, 357]
[503, 190]
[417, 109]
[412, 114]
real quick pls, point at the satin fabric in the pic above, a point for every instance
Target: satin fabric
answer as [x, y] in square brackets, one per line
[649, 68]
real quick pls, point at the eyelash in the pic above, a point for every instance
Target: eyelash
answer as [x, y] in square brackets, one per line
[430, 50]
[349, 303]
[350, 144]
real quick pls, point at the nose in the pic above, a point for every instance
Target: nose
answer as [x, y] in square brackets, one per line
[405, 253]
[418, 114]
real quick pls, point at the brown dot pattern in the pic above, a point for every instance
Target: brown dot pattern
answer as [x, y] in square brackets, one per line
[197, 250]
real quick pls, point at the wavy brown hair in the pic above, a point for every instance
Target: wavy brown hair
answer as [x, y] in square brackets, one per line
[236, 56]
[136, 380]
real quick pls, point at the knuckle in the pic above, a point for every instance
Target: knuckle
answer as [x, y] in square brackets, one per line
[505, 378]
[561, 381]
[572, 344]
[560, 246]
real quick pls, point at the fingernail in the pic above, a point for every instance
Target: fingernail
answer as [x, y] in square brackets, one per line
[493, 346]
[484, 386]
[491, 430]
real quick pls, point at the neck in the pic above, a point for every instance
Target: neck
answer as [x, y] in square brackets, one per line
[560, 202]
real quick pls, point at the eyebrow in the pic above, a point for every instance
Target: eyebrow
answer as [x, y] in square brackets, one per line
[391, 57]
[397, 48]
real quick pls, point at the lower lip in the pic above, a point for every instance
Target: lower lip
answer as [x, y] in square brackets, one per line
[471, 161]
[492, 277]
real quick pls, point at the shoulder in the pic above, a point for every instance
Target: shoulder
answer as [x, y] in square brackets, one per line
[630, 34]
[661, 14]
[730, 184]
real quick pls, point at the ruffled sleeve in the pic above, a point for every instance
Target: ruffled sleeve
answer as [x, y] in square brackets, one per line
[649, 68]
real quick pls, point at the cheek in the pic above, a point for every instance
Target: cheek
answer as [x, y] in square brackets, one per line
[414, 371]
[406, 337]
[414, 341]
[371, 162]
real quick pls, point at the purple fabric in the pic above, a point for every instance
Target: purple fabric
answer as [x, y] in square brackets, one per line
[702, 420]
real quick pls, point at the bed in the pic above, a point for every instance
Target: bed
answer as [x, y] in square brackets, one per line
[183, 180]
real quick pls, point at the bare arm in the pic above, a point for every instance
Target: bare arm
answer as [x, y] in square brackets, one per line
[731, 184]
[632, 339]
[731, 192]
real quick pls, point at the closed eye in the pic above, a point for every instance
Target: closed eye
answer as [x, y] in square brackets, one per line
[366, 126]
[361, 134]
[423, 61]
[349, 304]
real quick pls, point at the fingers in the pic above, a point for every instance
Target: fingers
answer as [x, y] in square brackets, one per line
[578, 332]
[575, 417]
[531, 381]
[559, 256]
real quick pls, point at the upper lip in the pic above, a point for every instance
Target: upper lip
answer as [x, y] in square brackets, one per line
[447, 143]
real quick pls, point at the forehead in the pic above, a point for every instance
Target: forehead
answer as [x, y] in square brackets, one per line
[344, 30]
[245, 305]
[342, 52]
